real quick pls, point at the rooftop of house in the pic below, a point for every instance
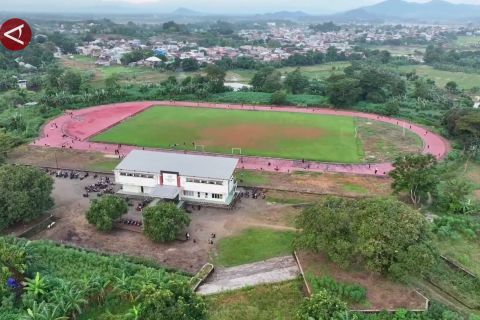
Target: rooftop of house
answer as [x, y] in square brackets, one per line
[214, 167]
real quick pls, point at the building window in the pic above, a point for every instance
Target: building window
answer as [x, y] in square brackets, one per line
[198, 194]
[206, 195]
[188, 193]
[217, 182]
[217, 196]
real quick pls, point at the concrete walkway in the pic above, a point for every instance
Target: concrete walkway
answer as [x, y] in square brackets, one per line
[252, 274]
[74, 129]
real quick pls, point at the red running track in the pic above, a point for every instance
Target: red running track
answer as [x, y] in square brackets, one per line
[74, 128]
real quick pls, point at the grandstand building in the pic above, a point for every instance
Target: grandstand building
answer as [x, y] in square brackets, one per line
[176, 176]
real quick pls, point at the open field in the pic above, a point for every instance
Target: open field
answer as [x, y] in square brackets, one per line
[464, 80]
[279, 134]
[398, 50]
[125, 74]
[253, 245]
[468, 42]
[318, 71]
[276, 301]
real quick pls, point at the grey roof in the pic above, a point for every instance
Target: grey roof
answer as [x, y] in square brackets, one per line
[185, 164]
[165, 192]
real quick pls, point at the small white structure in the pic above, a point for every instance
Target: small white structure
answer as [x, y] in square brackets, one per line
[175, 176]
[22, 84]
[476, 103]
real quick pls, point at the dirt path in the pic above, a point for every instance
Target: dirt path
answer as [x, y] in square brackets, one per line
[269, 271]
[73, 129]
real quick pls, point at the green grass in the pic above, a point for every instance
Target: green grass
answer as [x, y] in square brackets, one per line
[354, 188]
[251, 178]
[464, 80]
[318, 71]
[108, 310]
[278, 301]
[104, 165]
[467, 252]
[468, 41]
[254, 245]
[271, 134]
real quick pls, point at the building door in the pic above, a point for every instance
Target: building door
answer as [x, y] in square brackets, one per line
[141, 189]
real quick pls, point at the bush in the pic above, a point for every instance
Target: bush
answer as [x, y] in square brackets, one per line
[321, 306]
[456, 227]
[278, 98]
[105, 210]
[345, 291]
[164, 221]
[24, 194]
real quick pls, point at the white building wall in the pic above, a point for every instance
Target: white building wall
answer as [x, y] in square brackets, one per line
[201, 191]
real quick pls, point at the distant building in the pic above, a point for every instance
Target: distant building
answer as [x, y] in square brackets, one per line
[176, 176]
[22, 84]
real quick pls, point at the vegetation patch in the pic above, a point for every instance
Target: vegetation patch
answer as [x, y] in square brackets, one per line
[275, 301]
[254, 245]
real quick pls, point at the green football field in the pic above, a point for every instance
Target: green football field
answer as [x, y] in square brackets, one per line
[257, 133]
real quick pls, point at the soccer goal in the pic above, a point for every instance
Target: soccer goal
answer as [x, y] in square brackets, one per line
[236, 150]
[200, 147]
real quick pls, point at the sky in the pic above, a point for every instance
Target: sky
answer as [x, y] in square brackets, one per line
[213, 6]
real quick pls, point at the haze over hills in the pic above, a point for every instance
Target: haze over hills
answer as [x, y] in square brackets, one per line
[388, 10]
[433, 10]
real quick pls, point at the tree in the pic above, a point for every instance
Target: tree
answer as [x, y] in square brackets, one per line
[407, 249]
[111, 83]
[216, 77]
[416, 174]
[164, 221]
[388, 236]
[278, 98]
[296, 82]
[451, 87]
[7, 142]
[175, 300]
[343, 91]
[72, 81]
[103, 212]
[25, 194]
[266, 80]
[453, 197]
[190, 64]
[327, 226]
[464, 124]
[13, 261]
[322, 306]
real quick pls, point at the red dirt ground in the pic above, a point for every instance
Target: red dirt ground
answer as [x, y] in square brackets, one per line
[254, 136]
[73, 129]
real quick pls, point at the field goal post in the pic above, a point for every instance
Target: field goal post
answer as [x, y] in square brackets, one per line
[236, 150]
[200, 146]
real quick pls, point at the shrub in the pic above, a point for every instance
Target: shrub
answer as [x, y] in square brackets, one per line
[105, 210]
[164, 221]
[345, 291]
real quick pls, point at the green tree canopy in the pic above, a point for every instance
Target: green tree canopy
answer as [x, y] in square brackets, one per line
[416, 174]
[164, 221]
[25, 194]
[384, 234]
[7, 142]
[296, 82]
[278, 98]
[322, 306]
[266, 80]
[104, 211]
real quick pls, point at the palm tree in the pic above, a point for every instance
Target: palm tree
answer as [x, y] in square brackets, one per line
[36, 286]
[43, 311]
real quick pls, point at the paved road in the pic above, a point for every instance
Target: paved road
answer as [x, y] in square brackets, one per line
[252, 274]
[74, 128]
